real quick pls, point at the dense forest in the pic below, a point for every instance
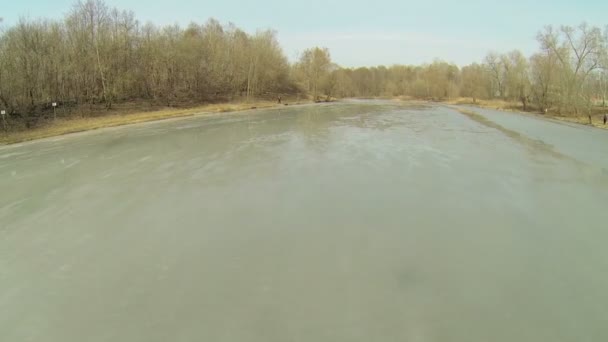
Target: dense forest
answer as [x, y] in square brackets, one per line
[98, 57]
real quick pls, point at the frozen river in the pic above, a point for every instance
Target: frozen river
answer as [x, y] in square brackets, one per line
[356, 221]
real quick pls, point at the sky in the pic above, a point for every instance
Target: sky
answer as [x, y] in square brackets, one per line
[363, 33]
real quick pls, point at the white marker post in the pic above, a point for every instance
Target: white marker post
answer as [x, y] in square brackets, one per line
[3, 113]
[54, 114]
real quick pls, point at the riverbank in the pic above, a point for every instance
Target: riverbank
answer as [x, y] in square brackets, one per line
[74, 125]
[596, 117]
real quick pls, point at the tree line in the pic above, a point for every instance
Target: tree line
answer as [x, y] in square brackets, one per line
[569, 75]
[98, 56]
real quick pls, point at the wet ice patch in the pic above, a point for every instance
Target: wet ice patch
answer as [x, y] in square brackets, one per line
[4, 210]
[76, 162]
[12, 154]
[107, 175]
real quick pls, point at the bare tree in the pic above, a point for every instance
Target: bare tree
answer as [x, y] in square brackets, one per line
[543, 75]
[496, 69]
[578, 51]
[314, 64]
[474, 82]
[516, 77]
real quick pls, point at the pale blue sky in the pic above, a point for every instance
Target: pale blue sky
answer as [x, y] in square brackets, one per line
[365, 32]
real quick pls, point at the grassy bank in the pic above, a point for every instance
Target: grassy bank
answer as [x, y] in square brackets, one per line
[596, 117]
[73, 125]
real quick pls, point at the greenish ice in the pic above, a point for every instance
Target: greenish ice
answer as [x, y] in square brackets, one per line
[353, 221]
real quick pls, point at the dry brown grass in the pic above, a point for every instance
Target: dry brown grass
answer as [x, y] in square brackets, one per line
[61, 127]
[492, 104]
[596, 117]
[526, 141]
[596, 120]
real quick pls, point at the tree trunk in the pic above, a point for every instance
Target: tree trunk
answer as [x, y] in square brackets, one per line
[103, 81]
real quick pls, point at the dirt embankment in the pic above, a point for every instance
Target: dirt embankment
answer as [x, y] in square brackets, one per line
[126, 116]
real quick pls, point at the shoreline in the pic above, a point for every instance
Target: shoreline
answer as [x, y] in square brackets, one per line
[508, 107]
[82, 125]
